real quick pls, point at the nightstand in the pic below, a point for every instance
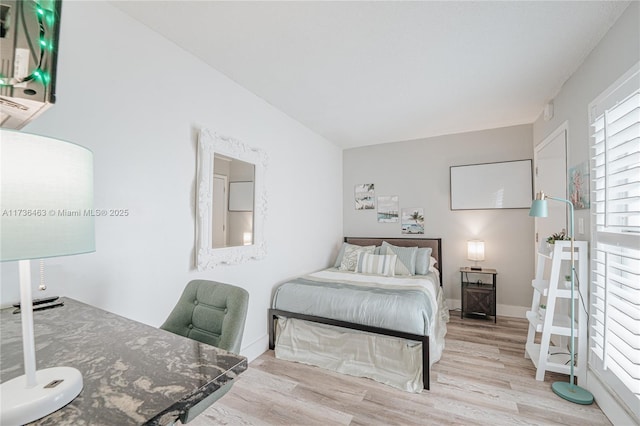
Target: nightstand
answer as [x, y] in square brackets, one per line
[478, 295]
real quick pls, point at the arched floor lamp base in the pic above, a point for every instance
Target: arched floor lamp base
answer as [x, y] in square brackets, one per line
[573, 393]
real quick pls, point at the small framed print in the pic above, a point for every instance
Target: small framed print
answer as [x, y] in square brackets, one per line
[413, 221]
[365, 196]
[388, 207]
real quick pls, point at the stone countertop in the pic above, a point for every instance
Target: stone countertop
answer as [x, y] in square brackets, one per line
[133, 373]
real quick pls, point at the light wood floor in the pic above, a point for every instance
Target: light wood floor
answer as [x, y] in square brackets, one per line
[482, 379]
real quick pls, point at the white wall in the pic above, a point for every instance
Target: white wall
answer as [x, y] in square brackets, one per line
[418, 172]
[137, 101]
[610, 59]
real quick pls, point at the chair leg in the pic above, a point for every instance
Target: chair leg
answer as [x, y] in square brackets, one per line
[271, 321]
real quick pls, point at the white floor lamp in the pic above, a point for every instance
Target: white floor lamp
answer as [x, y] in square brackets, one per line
[47, 193]
[568, 391]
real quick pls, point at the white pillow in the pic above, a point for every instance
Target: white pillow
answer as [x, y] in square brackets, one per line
[350, 256]
[379, 264]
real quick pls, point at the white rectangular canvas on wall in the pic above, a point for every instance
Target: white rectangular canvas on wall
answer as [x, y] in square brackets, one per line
[502, 185]
[241, 196]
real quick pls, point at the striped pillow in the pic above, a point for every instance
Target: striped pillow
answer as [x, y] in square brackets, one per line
[380, 264]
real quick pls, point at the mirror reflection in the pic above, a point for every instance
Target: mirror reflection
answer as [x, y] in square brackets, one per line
[233, 202]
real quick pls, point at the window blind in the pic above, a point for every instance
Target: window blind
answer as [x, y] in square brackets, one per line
[615, 254]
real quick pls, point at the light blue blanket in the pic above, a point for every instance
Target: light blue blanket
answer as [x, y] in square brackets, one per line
[406, 304]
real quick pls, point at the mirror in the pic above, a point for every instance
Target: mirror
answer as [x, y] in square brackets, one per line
[231, 201]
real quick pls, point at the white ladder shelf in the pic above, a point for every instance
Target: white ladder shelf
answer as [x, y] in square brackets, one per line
[551, 324]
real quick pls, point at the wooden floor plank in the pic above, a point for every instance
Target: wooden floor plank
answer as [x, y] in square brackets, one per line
[482, 379]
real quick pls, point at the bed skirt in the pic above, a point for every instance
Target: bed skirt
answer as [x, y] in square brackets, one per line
[393, 361]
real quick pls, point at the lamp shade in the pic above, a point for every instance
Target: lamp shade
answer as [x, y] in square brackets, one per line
[475, 250]
[539, 208]
[46, 196]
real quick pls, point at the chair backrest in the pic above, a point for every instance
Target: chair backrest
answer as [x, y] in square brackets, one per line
[212, 313]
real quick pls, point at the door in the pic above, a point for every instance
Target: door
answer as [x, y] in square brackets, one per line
[550, 176]
[219, 211]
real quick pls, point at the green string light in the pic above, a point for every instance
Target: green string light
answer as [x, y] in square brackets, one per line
[43, 15]
[50, 18]
[47, 45]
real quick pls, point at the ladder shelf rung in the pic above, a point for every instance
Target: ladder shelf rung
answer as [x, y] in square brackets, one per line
[555, 326]
[542, 286]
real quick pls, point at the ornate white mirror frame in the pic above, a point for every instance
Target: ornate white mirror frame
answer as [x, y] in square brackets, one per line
[210, 143]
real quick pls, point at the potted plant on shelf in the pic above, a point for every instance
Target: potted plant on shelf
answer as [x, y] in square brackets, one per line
[559, 236]
[542, 310]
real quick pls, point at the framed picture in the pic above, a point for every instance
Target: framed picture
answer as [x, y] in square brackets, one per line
[241, 196]
[388, 209]
[413, 221]
[365, 196]
[579, 186]
[502, 185]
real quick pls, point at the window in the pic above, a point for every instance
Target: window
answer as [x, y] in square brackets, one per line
[615, 256]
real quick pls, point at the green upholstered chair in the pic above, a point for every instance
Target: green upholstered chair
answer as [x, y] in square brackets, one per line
[212, 313]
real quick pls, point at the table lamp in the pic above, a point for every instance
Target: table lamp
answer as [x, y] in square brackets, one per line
[475, 252]
[47, 197]
[568, 391]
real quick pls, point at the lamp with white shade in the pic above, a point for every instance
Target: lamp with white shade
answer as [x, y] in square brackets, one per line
[475, 252]
[47, 195]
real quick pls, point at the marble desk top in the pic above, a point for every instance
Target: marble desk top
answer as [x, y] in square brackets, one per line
[133, 373]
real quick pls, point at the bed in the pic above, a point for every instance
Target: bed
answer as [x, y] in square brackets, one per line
[351, 309]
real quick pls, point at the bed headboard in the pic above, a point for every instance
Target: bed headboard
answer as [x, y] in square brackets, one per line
[434, 243]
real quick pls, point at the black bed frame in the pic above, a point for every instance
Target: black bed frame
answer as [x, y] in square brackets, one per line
[435, 243]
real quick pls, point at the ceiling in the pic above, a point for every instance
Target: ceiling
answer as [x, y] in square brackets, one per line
[362, 73]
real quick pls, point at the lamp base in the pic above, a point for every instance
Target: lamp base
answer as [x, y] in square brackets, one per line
[475, 268]
[55, 387]
[572, 393]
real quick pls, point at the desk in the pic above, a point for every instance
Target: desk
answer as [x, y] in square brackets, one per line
[133, 373]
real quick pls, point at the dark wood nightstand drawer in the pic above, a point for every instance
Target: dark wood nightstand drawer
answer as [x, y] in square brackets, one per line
[478, 296]
[479, 300]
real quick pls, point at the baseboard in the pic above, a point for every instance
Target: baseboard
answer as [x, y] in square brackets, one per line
[612, 408]
[502, 310]
[256, 348]
[513, 311]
